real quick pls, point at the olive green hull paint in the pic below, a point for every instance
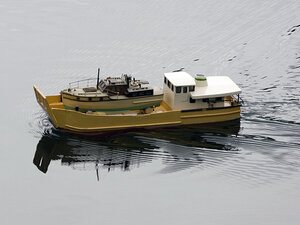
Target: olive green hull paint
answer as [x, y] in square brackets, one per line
[118, 105]
[115, 110]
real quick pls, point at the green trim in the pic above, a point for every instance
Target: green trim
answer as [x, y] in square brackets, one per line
[200, 79]
[115, 110]
[74, 97]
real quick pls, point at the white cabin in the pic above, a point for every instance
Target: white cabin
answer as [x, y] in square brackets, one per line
[183, 92]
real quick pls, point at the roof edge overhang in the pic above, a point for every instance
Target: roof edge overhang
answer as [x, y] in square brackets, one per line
[215, 95]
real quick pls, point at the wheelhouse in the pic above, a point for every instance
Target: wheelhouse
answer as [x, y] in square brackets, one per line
[182, 91]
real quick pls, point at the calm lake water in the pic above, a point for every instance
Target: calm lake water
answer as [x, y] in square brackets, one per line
[239, 172]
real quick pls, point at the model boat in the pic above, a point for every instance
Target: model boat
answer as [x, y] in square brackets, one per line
[113, 94]
[186, 100]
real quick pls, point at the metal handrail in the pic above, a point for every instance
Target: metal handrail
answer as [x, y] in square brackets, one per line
[242, 101]
[238, 100]
[81, 81]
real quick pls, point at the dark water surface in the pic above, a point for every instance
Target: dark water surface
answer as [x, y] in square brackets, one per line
[238, 172]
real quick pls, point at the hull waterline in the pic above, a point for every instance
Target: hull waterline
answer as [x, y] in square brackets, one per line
[162, 116]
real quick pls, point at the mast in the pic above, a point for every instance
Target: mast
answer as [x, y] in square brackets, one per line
[98, 78]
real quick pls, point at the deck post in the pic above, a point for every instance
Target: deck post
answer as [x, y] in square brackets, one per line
[98, 78]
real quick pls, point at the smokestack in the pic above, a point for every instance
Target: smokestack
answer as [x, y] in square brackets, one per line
[200, 80]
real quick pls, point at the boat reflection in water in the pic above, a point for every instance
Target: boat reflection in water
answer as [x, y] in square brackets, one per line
[177, 148]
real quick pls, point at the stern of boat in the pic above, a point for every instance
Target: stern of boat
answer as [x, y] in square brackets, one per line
[48, 103]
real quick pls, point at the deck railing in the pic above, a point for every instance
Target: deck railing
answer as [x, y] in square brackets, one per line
[238, 99]
[83, 83]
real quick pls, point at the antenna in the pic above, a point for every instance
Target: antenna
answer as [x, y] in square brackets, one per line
[98, 78]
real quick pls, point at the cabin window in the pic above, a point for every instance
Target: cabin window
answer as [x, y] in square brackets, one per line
[205, 100]
[212, 100]
[191, 88]
[219, 99]
[150, 92]
[184, 89]
[169, 84]
[192, 100]
[178, 89]
[100, 99]
[90, 99]
[165, 80]
[172, 87]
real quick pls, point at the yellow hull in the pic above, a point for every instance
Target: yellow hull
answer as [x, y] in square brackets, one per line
[162, 116]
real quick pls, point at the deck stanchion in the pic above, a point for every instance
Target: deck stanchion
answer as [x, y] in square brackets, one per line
[98, 78]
